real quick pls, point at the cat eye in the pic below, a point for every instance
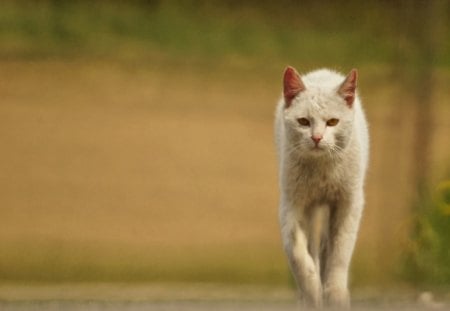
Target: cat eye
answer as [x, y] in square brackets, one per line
[332, 122]
[303, 121]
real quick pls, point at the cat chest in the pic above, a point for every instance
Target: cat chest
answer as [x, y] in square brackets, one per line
[319, 186]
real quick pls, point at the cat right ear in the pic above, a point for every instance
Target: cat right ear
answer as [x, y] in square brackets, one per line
[292, 85]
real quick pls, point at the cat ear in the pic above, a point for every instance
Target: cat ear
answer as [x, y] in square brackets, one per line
[348, 88]
[292, 85]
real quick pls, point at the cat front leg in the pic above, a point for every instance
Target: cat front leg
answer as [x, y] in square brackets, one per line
[344, 222]
[301, 263]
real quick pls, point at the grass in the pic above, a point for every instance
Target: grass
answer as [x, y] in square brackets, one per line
[342, 32]
[427, 257]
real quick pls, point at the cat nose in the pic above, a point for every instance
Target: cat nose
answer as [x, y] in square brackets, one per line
[316, 138]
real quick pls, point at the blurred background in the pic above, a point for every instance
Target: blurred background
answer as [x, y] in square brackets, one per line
[136, 137]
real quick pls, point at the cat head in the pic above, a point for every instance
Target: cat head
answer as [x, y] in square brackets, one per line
[319, 110]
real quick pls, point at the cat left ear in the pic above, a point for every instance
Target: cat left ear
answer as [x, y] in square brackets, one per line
[348, 88]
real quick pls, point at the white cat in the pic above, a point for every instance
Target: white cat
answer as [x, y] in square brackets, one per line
[322, 143]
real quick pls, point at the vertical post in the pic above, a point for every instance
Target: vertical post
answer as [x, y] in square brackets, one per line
[419, 41]
[418, 44]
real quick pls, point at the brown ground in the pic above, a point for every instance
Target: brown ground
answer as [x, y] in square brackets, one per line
[172, 172]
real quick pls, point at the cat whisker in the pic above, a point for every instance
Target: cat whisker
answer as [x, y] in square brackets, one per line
[295, 148]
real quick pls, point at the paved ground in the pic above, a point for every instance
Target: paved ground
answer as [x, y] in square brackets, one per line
[179, 306]
[186, 297]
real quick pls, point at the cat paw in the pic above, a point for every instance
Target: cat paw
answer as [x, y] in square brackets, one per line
[337, 297]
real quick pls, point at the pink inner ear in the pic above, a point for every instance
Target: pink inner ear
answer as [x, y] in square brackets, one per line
[348, 88]
[292, 85]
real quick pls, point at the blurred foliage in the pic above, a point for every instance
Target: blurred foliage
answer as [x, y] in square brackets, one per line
[427, 261]
[334, 32]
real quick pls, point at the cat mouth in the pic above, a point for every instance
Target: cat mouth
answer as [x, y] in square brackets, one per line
[317, 149]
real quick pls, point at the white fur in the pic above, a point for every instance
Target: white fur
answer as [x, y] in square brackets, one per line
[321, 191]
